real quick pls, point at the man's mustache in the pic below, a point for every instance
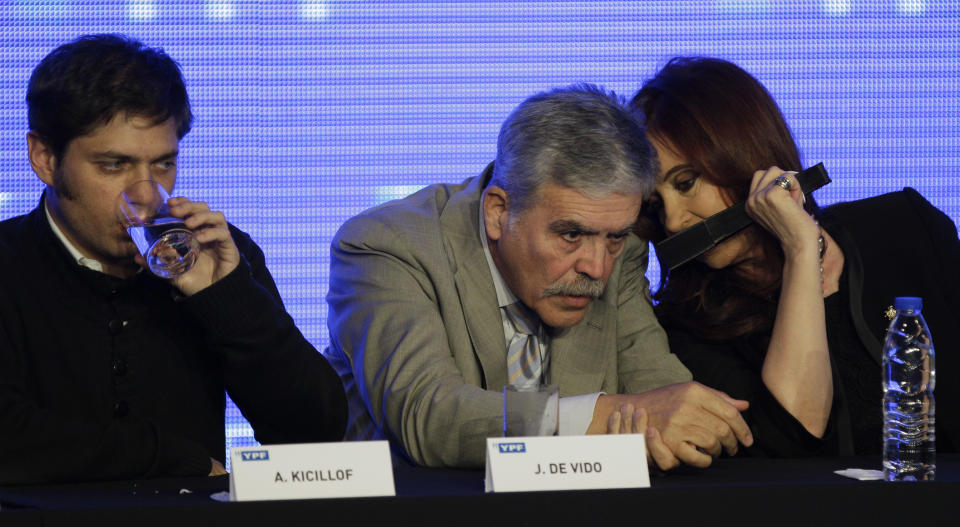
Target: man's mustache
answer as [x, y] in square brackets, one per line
[582, 286]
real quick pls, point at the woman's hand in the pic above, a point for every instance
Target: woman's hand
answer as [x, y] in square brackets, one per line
[780, 211]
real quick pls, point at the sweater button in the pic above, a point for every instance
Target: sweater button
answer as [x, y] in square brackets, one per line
[120, 409]
[120, 367]
[115, 326]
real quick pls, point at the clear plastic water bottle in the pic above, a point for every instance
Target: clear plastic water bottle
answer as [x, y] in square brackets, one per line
[909, 373]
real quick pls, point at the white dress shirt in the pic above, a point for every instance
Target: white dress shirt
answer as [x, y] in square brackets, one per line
[82, 260]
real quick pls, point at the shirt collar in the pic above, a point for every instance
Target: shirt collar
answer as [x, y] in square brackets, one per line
[505, 297]
[81, 260]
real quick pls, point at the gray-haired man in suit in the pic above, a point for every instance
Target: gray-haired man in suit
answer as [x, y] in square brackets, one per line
[423, 292]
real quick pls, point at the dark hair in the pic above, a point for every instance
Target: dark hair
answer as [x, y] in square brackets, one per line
[725, 124]
[86, 82]
[581, 137]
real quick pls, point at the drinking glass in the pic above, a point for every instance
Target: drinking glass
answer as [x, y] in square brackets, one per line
[532, 411]
[164, 241]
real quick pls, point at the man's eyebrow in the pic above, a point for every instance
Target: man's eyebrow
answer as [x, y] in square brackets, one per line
[165, 157]
[562, 226]
[110, 154]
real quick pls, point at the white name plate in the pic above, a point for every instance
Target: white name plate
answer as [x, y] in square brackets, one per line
[311, 470]
[517, 464]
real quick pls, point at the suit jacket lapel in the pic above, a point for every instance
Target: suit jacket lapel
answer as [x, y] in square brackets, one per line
[478, 299]
[577, 359]
[853, 263]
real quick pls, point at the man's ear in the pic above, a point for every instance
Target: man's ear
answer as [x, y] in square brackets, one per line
[42, 158]
[495, 211]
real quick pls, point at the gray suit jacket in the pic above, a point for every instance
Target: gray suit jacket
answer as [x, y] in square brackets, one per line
[416, 334]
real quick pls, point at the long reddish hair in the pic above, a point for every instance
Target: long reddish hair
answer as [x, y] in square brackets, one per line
[725, 124]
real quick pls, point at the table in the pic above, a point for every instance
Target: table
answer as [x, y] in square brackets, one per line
[732, 491]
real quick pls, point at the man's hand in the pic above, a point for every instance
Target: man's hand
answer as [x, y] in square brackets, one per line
[216, 469]
[692, 422]
[218, 254]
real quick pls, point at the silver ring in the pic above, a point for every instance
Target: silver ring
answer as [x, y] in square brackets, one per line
[783, 182]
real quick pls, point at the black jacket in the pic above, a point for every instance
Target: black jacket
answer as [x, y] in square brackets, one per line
[103, 378]
[896, 244]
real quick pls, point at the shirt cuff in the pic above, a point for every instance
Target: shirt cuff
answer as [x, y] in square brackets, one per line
[576, 413]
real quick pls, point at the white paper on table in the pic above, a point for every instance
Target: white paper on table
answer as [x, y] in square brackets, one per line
[862, 474]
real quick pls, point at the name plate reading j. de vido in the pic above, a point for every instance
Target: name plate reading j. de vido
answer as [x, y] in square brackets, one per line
[311, 470]
[517, 464]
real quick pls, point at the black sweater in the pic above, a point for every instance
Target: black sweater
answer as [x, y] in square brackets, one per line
[894, 245]
[103, 378]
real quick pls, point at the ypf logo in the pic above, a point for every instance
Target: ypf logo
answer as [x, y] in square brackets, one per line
[512, 448]
[255, 455]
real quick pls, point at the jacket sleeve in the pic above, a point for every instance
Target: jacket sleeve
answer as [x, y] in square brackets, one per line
[385, 319]
[284, 387]
[733, 367]
[644, 359]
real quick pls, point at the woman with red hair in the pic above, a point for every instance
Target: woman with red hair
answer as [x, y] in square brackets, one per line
[789, 313]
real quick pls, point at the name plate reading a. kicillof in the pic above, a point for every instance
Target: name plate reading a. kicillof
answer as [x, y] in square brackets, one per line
[311, 470]
[517, 464]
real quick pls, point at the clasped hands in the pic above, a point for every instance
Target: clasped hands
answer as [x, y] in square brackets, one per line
[682, 423]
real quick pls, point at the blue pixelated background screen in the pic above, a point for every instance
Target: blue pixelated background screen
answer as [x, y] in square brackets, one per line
[309, 111]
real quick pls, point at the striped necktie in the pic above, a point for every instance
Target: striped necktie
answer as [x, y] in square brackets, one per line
[524, 367]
